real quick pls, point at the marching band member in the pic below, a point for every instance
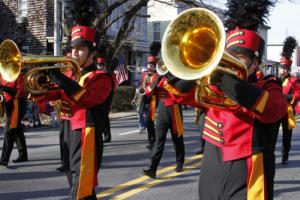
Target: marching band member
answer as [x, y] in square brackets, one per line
[169, 116]
[15, 108]
[82, 105]
[150, 101]
[102, 65]
[239, 160]
[259, 74]
[290, 88]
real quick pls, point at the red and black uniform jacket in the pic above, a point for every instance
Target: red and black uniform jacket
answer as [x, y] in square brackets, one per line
[82, 104]
[291, 89]
[170, 91]
[246, 130]
[149, 101]
[15, 95]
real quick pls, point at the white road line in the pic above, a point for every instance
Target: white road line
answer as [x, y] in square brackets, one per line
[130, 132]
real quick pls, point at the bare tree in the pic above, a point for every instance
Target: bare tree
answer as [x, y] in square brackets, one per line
[105, 13]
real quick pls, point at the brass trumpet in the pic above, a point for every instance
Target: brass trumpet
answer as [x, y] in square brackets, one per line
[193, 47]
[132, 68]
[36, 79]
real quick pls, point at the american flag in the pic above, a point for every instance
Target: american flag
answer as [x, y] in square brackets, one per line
[121, 71]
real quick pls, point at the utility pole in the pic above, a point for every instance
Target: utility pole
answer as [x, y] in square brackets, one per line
[57, 27]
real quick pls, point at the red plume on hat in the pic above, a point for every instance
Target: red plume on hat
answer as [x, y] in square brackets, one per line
[154, 51]
[288, 48]
[243, 18]
[83, 14]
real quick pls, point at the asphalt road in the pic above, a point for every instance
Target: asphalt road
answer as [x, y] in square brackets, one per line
[121, 174]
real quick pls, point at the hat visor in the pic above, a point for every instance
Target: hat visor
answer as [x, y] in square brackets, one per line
[286, 67]
[80, 42]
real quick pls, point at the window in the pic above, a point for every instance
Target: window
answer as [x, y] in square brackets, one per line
[22, 8]
[138, 21]
[25, 49]
[156, 33]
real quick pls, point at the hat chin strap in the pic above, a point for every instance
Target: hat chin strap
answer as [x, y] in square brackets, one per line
[83, 63]
[86, 59]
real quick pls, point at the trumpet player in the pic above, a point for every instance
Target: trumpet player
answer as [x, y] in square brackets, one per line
[82, 105]
[291, 89]
[15, 107]
[150, 100]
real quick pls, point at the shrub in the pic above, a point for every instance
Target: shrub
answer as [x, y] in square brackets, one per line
[122, 99]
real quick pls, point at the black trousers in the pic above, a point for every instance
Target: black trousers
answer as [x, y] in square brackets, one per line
[163, 124]
[15, 134]
[286, 137]
[228, 180]
[105, 127]
[73, 140]
[201, 125]
[222, 180]
[149, 125]
[64, 150]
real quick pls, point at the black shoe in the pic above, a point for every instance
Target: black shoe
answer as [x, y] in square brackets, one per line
[150, 147]
[150, 172]
[200, 151]
[142, 130]
[3, 163]
[20, 159]
[61, 169]
[284, 161]
[107, 139]
[179, 167]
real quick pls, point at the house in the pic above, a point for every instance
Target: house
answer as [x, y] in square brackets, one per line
[29, 23]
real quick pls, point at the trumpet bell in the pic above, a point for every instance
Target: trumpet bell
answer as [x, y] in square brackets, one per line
[10, 60]
[193, 47]
[195, 42]
[36, 79]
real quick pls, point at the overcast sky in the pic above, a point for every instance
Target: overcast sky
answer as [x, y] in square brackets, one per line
[284, 20]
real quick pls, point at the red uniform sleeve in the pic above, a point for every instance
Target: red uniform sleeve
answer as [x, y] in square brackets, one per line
[20, 86]
[272, 105]
[151, 86]
[296, 91]
[95, 91]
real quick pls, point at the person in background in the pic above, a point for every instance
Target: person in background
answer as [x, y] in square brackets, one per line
[138, 104]
[291, 89]
[169, 117]
[150, 99]
[15, 95]
[259, 74]
[103, 51]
